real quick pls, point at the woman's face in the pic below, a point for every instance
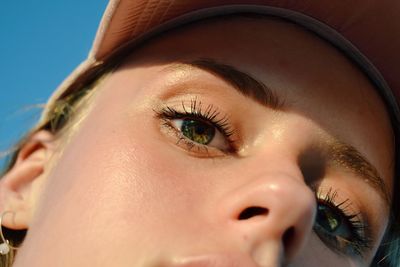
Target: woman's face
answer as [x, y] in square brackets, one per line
[184, 161]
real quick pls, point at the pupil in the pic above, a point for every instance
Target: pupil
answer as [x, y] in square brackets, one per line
[197, 131]
[327, 218]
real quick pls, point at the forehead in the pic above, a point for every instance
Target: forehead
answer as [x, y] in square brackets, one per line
[315, 80]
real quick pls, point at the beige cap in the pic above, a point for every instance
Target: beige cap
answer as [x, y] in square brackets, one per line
[367, 31]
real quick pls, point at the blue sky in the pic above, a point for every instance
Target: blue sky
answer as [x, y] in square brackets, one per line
[41, 42]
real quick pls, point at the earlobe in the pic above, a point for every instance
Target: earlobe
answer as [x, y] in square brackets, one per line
[18, 185]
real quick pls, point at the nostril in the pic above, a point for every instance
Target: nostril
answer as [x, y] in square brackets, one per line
[252, 212]
[288, 237]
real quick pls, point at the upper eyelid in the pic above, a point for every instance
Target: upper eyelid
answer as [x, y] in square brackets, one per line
[195, 106]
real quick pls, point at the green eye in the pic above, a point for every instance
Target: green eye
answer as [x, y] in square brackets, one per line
[343, 233]
[340, 228]
[332, 222]
[197, 131]
[203, 131]
[328, 219]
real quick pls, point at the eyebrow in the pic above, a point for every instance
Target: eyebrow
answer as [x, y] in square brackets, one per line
[350, 158]
[243, 82]
[340, 153]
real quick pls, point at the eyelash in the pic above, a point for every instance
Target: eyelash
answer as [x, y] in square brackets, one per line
[360, 241]
[195, 111]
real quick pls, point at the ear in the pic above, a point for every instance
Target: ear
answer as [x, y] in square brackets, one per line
[19, 184]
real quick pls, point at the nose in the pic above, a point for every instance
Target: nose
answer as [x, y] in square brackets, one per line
[272, 216]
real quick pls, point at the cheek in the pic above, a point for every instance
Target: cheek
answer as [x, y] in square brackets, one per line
[119, 181]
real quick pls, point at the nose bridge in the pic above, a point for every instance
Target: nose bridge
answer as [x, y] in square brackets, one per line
[274, 210]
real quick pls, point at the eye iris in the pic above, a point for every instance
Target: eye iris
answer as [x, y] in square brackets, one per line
[328, 219]
[198, 131]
